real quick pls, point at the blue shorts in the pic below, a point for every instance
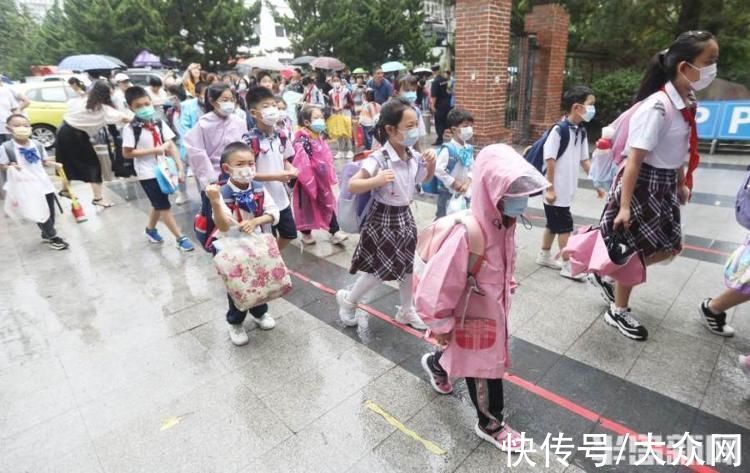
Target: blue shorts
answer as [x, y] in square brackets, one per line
[286, 228]
[159, 200]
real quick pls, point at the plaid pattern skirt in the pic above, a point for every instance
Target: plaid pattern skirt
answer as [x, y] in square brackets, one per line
[387, 243]
[654, 212]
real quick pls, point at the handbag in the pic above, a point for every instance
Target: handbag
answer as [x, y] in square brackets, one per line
[252, 270]
[589, 252]
[457, 203]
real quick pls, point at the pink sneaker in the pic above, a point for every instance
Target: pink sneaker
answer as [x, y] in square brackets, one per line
[745, 364]
[506, 439]
[440, 381]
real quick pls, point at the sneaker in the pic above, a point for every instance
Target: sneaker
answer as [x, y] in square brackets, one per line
[153, 235]
[506, 439]
[339, 155]
[238, 335]
[567, 272]
[308, 239]
[716, 323]
[184, 244]
[606, 288]
[626, 324]
[545, 258]
[745, 364]
[410, 318]
[339, 238]
[350, 155]
[58, 243]
[347, 310]
[181, 198]
[440, 381]
[265, 323]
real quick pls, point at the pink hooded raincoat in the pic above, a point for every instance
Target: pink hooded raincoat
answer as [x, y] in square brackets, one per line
[312, 197]
[499, 171]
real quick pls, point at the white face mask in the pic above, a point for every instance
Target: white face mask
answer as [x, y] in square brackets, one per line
[244, 174]
[589, 114]
[466, 132]
[707, 75]
[227, 108]
[270, 116]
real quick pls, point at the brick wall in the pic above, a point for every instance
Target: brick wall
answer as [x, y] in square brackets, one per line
[550, 24]
[482, 43]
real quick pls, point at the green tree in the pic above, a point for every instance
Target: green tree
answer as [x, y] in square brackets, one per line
[53, 41]
[208, 31]
[17, 28]
[357, 32]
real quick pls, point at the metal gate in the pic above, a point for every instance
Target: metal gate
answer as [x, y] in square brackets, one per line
[520, 86]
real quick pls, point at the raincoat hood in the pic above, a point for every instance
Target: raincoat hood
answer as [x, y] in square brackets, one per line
[499, 171]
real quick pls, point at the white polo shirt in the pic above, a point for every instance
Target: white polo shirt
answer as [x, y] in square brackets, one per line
[36, 169]
[566, 166]
[144, 166]
[657, 126]
[270, 160]
[400, 192]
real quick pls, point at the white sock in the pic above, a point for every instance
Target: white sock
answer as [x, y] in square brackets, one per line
[405, 292]
[365, 283]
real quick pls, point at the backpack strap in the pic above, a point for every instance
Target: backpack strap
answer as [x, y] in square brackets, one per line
[563, 127]
[10, 151]
[477, 242]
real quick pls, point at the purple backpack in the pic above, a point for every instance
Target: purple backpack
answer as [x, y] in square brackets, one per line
[742, 205]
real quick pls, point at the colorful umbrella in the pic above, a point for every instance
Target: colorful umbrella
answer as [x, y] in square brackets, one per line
[287, 73]
[392, 66]
[302, 60]
[330, 63]
[146, 59]
[89, 62]
[264, 63]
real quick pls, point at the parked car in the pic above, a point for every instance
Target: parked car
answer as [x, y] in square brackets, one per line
[140, 76]
[48, 104]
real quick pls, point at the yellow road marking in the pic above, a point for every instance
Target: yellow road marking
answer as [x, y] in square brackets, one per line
[430, 446]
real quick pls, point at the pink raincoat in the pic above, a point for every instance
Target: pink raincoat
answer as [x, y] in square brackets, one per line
[499, 171]
[312, 198]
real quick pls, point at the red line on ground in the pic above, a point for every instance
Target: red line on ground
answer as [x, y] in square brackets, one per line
[550, 396]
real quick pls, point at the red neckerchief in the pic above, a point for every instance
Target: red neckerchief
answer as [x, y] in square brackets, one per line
[154, 133]
[688, 114]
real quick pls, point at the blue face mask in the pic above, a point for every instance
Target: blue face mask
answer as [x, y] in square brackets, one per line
[410, 96]
[514, 206]
[411, 137]
[318, 125]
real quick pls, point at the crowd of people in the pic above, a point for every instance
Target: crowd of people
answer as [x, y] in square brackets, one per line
[262, 163]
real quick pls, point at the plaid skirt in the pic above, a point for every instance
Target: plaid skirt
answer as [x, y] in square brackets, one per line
[387, 243]
[654, 212]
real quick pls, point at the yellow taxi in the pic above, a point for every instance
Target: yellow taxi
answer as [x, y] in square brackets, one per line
[48, 102]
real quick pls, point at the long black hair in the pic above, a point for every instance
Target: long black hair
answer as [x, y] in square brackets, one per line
[100, 94]
[663, 65]
[390, 114]
[213, 92]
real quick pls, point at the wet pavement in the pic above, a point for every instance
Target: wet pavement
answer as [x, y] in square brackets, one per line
[114, 356]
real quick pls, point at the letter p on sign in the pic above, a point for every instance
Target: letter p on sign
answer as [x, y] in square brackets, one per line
[740, 116]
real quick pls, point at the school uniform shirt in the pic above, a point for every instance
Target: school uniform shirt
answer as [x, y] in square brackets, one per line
[566, 166]
[420, 121]
[659, 128]
[340, 99]
[36, 169]
[271, 160]
[91, 121]
[400, 192]
[460, 172]
[238, 215]
[144, 166]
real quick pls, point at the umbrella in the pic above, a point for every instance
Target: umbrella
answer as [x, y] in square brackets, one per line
[287, 73]
[392, 66]
[328, 63]
[146, 59]
[422, 70]
[265, 63]
[88, 62]
[302, 60]
[359, 70]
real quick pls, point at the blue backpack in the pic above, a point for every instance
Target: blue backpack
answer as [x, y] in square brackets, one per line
[534, 154]
[435, 186]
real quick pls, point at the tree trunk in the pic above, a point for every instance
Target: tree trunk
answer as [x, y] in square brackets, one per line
[690, 15]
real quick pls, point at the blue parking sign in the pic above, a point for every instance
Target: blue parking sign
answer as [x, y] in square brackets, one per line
[735, 122]
[708, 117]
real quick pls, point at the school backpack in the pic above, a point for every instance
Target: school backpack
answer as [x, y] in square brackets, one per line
[742, 204]
[203, 223]
[137, 126]
[352, 209]
[534, 154]
[434, 185]
[10, 150]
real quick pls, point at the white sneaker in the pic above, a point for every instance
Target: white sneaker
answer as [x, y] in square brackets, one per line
[181, 198]
[410, 318]
[567, 272]
[308, 239]
[339, 155]
[545, 258]
[350, 155]
[339, 238]
[238, 335]
[265, 323]
[347, 310]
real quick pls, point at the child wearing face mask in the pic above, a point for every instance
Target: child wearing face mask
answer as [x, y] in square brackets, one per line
[340, 122]
[407, 89]
[241, 206]
[454, 160]
[154, 140]
[29, 156]
[312, 196]
[388, 237]
[272, 153]
[562, 173]
[286, 124]
[450, 302]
